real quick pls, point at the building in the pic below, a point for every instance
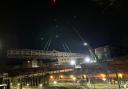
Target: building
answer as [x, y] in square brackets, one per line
[103, 53]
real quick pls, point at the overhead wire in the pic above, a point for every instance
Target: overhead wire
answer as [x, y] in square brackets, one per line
[94, 56]
[48, 45]
[64, 47]
[67, 47]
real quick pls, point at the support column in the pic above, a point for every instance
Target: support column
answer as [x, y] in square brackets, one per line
[32, 81]
[26, 81]
[39, 80]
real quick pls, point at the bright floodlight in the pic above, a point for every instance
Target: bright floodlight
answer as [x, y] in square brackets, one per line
[73, 62]
[85, 44]
[87, 60]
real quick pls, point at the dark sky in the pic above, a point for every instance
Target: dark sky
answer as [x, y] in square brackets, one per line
[30, 24]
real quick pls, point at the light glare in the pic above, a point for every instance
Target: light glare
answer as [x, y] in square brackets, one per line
[55, 82]
[40, 85]
[104, 79]
[18, 84]
[85, 44]
[74, 78]
[72, 62]
[87, 60]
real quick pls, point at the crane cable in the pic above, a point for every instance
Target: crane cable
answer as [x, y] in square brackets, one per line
[88, 46]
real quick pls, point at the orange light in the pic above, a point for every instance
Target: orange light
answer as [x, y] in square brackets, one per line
[61, 76]
[102, 75]
[104, 79]
[51, 77]
[120, 75]
[85, 76]
[71, 76]
[74, 78]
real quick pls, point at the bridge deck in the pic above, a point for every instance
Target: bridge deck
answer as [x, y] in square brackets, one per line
[25, 53]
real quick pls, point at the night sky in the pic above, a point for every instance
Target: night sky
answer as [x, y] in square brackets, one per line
[30, 24]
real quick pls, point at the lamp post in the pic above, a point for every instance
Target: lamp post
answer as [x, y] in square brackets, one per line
[73, 63]
[87, 60]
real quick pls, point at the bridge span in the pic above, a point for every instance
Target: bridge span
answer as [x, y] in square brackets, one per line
[34, 57]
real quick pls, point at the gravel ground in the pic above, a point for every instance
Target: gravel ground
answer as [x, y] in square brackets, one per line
[74, 86]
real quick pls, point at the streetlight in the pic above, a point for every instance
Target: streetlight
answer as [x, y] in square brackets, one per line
[61, 76]
[51, 77]
[74, 78]
[40, 85]
[55, 82]
[71, 76]
[120, 75]
[104, 79]
[27, 85]
[18, 84]
[73, 63]
[28, 61]
[102, 75]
